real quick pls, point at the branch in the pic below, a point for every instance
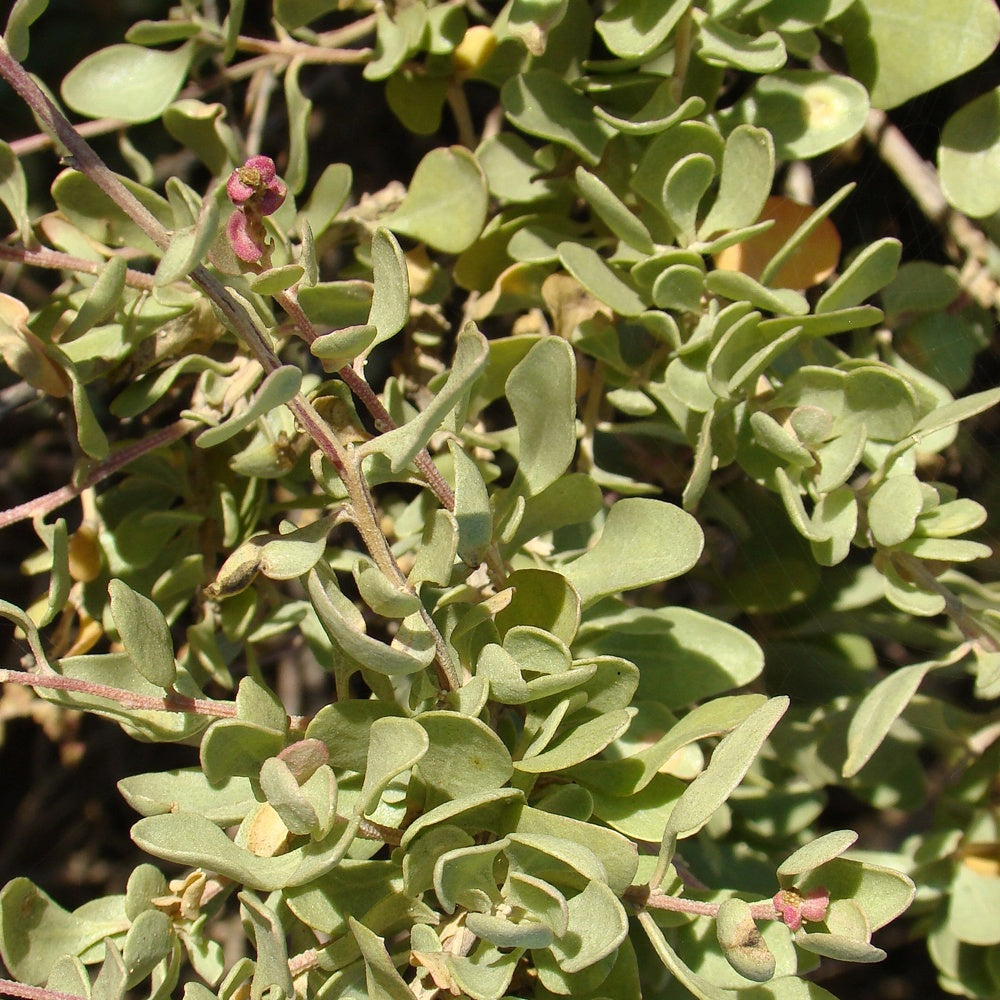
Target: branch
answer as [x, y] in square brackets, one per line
[127, 699]
[239, 320]
[57, 261]
[48, 502]
[9, 988]
[650, 899]
[969, 245]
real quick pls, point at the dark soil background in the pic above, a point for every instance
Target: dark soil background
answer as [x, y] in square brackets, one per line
[62, 821]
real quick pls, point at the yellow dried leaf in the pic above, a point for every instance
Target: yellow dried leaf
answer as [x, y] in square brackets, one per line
[25, 354]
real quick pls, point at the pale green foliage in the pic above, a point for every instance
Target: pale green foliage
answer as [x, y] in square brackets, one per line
[585, 407]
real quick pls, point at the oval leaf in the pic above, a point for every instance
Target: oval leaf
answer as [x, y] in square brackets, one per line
[127, 82]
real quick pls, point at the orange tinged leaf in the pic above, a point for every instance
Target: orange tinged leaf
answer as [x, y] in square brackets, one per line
[814, 261]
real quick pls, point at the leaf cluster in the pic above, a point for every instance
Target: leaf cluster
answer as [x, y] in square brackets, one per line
[602, 577]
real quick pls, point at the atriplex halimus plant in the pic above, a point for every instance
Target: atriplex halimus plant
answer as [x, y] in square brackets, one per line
[520, 782]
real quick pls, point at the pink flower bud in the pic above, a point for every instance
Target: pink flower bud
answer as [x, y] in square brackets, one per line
[256, 184]
[793, 907]
[246, 239]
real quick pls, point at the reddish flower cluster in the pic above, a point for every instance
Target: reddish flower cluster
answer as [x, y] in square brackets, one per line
[794, 908]
[256, 191]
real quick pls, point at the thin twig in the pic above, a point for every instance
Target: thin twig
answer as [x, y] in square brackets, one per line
[127, 699]
[48, 502]
[240, 321]
[57, 261]
[642, 896]
[9, 988]
[954, 607]
[368, 398]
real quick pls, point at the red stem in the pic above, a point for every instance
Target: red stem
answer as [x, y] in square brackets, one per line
[9, 988]
[127, 699]
[54, 260]
[45, 504]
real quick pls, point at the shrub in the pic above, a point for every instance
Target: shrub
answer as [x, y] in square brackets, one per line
[637, 544]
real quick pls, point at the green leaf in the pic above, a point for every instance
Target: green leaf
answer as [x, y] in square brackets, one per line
[745, 181]
[721, 46]
[973, 907]
[730, 761]
[591, 270]
[383, 596]
[402, 444]
[807, 112]
[969, 157]
[541, 390]
[739, 287]
[683, 655]
[844, 949]
[543, 598]
[632, 29]
[878, 710]
[237, 748]
[816, 853]
[201, 128]
[463, 756]
[126, 81]
[670, 148]
[327, 198]
[394, 746]
[14, 191]
[438, 550]
[23, 14]
[342, 346]
[281, 790]
[55, 540]
[445, 205]
[893, 509]
[881, 36]
[872, 269]
[165, 791]
[464, 877]
[35, 931]
[581, 743]
[144, 634]
[381, 978]
[473, 515]
[276, 279]
[417, 99]
[299, 108]
[391, 298]
[597, 926]
[147, 942]
[110, 982]
[271, 967]
[342, 623]
[188, 246]
[955, 412]
[101, 301]
[616, 854]
[882, 893]
[92, 438]
[277, 388]
[663, 542]
[613, 211]
[745, 950]
[292, 14]
[685, 185]
[543, 104]
[92, 211]
[152, 33]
